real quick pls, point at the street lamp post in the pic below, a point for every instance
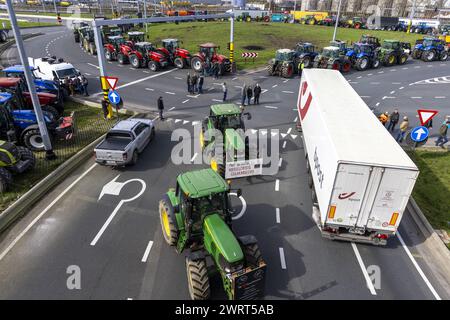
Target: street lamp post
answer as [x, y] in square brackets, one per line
[30, 82]
[337, 20]
[54, 4]
[145, 16]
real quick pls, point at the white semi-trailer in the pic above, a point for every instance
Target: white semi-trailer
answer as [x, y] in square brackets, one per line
[361, 179]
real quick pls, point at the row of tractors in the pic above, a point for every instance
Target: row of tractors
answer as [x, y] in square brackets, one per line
[132, 48]
[367, 53]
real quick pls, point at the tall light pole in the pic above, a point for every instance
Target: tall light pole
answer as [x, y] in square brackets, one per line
[337, 20]
[145, 16]
[30, 82]
[54, 4]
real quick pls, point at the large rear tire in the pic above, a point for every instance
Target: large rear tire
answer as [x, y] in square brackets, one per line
[153, 65]
[27, 155]
[389, 60]
[122, 59]
[443, 56]
[287, 70]
[416, 54]
[52, 110]
[306, 62]
[135, 62]
[197, 64]
[108, 55]
[198, 279]
[5, 179]
[402, 59]
[252, 255]
[429, 56]
[270, 69]
[32, 139]
[179, 62]
[362, 63]
[168, 226]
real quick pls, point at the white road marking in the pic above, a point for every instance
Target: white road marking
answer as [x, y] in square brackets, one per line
[62, 194]
[416, 97]
[264, 91]
[280, 162]
[370, 74]
[171, 108]
[416, 265]
[401, 88]
[374, 83]
[296, 119]
[194, 123]
[185, 121]
[186, 101]
[149, 89]
[178, 78]
[386, 97]
[234, 78]
[396, 83]
[289, 130]
[439, 97]
[285, 80]
[393, 91]
[277, 214]
[293, 136]
[129, 298]
[211, 89]
[377, 104]
[284, 144]
[287, 91]
[194, 156]
[416, 67]
[277, 185]
[177, 120]
[216, 100]
[168, 92]
[282, 259]
[141, 80]
[147, 251]
[365, 96]
[380, 71]
[144, 71]
[359, 77]
[93, 65]
[274, 86]
[190, 96]
[270, 107]
[364, 270]
[87, 74]
[405, 68]
[239, 87]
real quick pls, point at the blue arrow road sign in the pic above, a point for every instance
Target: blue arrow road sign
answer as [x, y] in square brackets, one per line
[113, 97]
[418, 134]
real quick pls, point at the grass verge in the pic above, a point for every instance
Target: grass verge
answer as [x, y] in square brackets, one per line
[89, 125]
[27, 24]
[432, 190]
[268, 36]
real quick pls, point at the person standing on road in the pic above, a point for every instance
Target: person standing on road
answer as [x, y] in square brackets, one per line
[393, 120]
[194, 83]
[225, 91]
[200, 83]
[243, 94]
[384, 118]
[71, 86]
[256, 93]
[160, 107]
[84, 84]
[403, 128]
[188, 81]
[443, 130]
[216, 70]
[249, 94]
[301, 65]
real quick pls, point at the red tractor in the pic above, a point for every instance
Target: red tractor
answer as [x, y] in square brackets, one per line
[208, 52]
[146, 55]
[178, 57]
[117, 48]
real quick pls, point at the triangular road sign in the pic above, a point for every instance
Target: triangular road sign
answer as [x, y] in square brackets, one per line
[426, 115]
[112, 82]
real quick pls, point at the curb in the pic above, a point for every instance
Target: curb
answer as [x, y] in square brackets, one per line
[5, 46]
[21, 206]
[433, 249]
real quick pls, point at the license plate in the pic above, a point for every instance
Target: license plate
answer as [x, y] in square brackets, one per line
[110, 162]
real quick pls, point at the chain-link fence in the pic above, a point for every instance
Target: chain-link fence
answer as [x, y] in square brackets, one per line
[89, 124]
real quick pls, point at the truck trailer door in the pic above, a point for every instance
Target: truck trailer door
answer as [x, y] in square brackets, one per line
[376, 175]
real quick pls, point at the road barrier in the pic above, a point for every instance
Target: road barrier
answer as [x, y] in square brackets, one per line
[250, 55]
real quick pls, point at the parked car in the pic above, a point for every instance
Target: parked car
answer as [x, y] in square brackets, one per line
[124, 142]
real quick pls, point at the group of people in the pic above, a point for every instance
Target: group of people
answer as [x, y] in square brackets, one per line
[73, 85]
[390, 121]
[247, 93]
[195, 83]
[211, 68]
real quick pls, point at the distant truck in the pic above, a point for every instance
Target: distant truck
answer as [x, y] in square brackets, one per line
[361, 179]
[124, 142]
[383, 23]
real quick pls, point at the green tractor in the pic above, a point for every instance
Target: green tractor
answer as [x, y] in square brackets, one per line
[228, 120]
[332, 58]
[393, 52]
[87, 40]
[13, 159]
[197, 215]
[77, 26]
[284, 64]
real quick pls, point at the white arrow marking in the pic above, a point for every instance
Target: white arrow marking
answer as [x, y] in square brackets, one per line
[194, 123]
[419, 133]
[185, 121]
[177, 120]
[293, 136]
[283, 135]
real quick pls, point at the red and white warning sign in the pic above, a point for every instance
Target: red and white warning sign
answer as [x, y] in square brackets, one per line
[426, 115]
[112, 82]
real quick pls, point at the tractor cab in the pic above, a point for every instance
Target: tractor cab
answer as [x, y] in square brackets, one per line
[170, 44]
[359, 47]
[305, 47]
[432, 42]
[341, 45]
[227, 116]
[284, 55]
[116, 41]
[209, 50]
[144, 47]
[391, 45]
[371, 40]
[331, 52]
[136, 36]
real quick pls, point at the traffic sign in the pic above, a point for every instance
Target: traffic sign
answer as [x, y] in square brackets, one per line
[111, 81]
[426, 115]
[419, 134]
[114, 97]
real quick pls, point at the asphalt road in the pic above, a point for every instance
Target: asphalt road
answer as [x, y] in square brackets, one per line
[131, 260]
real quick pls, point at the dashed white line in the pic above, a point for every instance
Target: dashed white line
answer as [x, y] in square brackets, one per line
[287, 91]
[406, 68]
[285, 80]
[401, 88]
[171, 108]
[186, 101]
[178, 78]
[284, 144]
[282, 258]
[277, 185]
[280, 162]
[216, 100]
[149, 89]
[380, 71]
[146, 71]
[396, 83]
[359, 77]
[377, 104]
[168, 92]
[439, 97]
[370, 74]
[234, 78]
[416, 97]
[277, 214]
[147, 251]
[296, 118]
[386, 97]
[393, 91]
[289, 130]
[274, 86]
[93, 65]
[364, 270]
[270, 107]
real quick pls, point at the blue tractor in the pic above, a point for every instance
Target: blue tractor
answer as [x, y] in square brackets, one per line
[305, 53]
[20, 126]
[430, 49]
[363, 56]
[41, 85]
[421, 28]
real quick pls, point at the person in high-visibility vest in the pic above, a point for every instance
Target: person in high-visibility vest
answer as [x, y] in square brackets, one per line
[301, 66]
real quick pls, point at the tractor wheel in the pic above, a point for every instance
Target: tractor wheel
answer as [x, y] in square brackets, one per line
[444, 56]
[335, 66]
[416, 54]
[270, 69]
[26, 154]
[429, 56]
[402, 59]
[108, 55]
[306, 62]
[197, 64]
[168, 226]
[198, 279]
[315, 64]
[252, 255]
[287, 70]
[32, 139]
[376, 64]
[122, 59]
[153, 65]
[248, 19]
[5, 179]
[362, 63]
[346, 67]
[389, 60]
[179, 63]
[51, 110]
[135, 62]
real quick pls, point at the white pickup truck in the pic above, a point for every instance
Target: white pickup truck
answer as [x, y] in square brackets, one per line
[124, 142]
[361, 179]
